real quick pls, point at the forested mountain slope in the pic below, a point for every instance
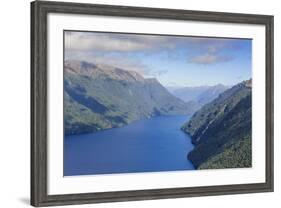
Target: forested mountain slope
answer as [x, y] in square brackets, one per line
[221, 130]
[99, 97]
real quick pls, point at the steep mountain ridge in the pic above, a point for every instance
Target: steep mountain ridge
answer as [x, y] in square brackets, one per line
[188, 93]
[199, 95]
[220, 127]
[100, 97]
[99, 71]
[211, 93]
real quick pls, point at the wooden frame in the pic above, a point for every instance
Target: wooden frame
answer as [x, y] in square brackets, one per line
[39, 12]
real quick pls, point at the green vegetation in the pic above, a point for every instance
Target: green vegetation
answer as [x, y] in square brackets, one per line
[219, 129]
[237, 155]
[99, 97]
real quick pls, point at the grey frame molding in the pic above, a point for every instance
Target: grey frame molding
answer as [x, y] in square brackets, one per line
[39, 12]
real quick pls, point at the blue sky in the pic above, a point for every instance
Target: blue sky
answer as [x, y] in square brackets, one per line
[174, 60]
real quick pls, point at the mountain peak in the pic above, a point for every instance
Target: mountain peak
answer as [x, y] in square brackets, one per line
[219, 86]
[248, 83]
[101, 71]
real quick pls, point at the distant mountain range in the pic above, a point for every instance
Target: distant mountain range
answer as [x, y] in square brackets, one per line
[98, 97]
[221, 130]
[198, 96]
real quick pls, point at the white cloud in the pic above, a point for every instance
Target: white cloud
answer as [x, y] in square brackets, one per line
[209, 59]
[202, 50]
[211, 50]
[212, 44]
[80, 41]
[107, 42]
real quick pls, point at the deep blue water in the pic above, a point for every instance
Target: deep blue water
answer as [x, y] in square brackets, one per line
[155, 144]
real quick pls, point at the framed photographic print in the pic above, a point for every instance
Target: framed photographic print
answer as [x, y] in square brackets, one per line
[131, 103]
